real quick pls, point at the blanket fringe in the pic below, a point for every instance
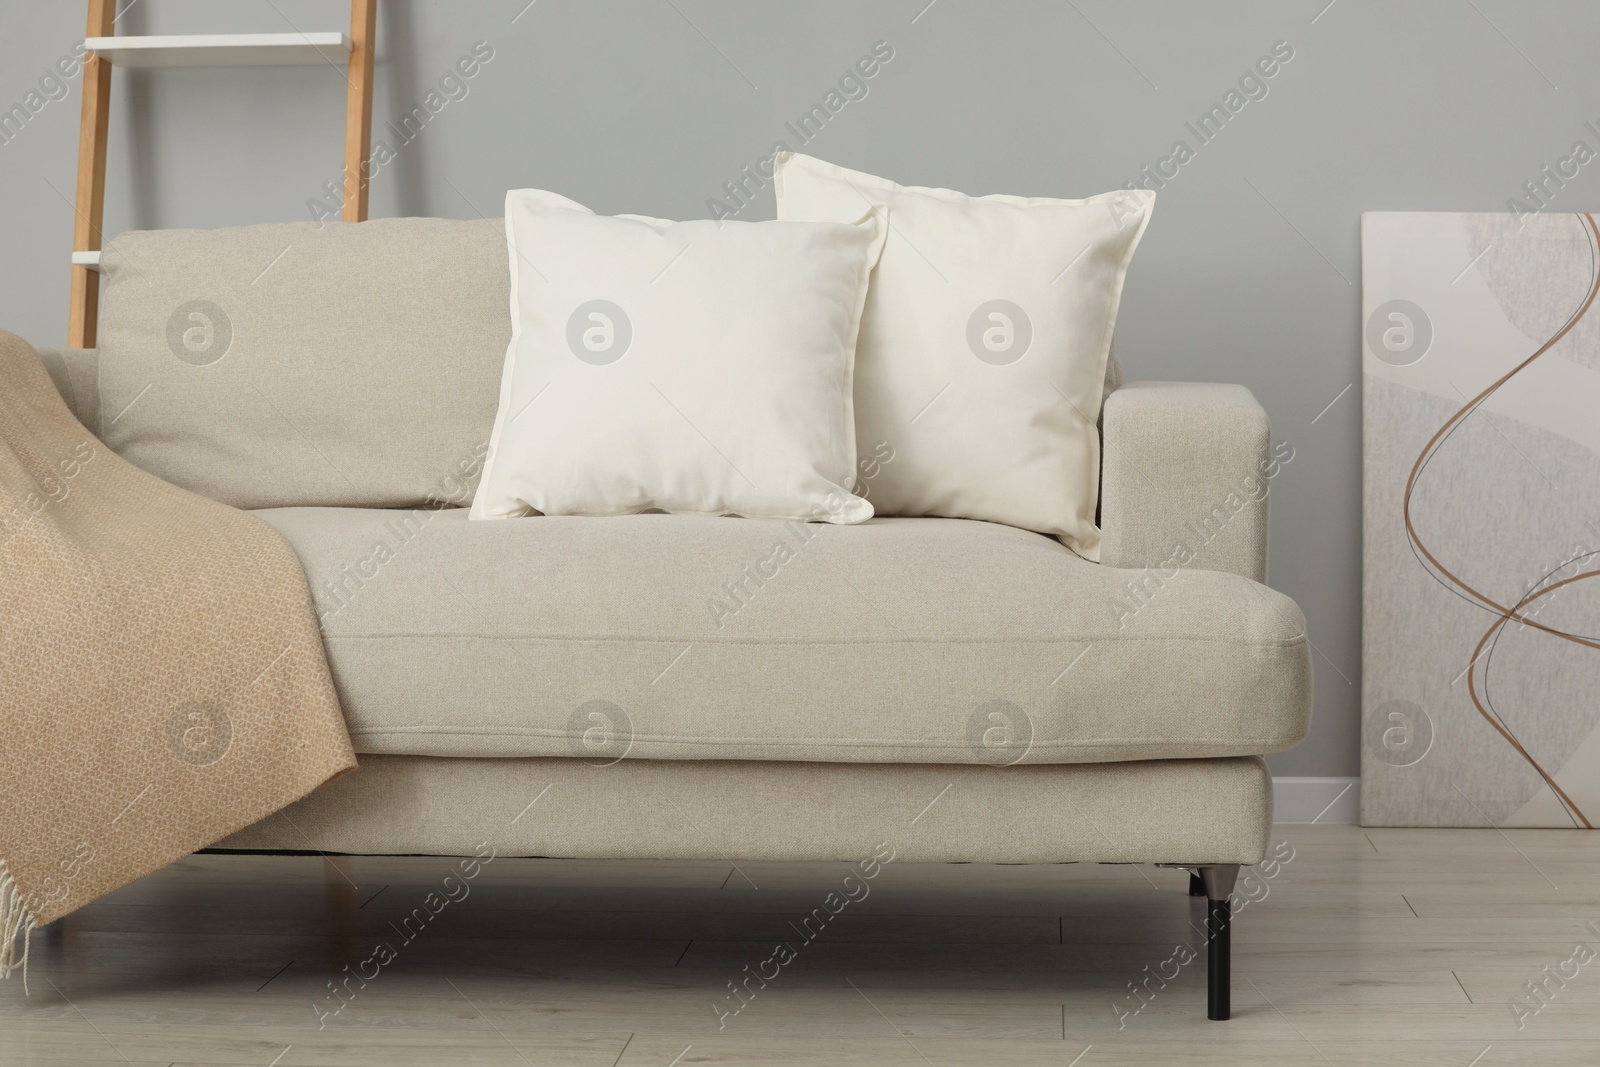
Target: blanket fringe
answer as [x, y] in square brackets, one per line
[16, 928]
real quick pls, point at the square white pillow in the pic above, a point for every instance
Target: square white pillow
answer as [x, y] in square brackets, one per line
[683, 366]
[983, 347]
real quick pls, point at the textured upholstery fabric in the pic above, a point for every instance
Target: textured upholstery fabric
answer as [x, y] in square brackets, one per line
[361, 363]
[297, 363]
[75, 372]
[895, 641]
[1199, 811]
[1186, 465]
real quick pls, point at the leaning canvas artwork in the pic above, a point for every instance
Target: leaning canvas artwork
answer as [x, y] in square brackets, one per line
[1481, 639]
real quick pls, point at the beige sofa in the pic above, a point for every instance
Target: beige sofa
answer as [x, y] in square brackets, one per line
[688, 687]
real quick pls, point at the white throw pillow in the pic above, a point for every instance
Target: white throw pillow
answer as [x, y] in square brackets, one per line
[682, 366]
[983, 348]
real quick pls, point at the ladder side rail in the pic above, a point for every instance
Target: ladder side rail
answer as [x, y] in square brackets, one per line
[358, 110]
[91, 197]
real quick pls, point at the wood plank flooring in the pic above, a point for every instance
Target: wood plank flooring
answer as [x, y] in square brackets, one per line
[1393, 947]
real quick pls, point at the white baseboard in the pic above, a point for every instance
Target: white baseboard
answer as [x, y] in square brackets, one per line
[1318, 800]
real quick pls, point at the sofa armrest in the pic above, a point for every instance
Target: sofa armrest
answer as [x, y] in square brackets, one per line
[1184, 479]
[76, 374]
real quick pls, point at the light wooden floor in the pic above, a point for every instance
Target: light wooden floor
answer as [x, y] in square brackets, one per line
[1393, 947]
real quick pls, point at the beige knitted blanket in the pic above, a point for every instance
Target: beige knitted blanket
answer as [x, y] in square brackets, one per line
[162, 680]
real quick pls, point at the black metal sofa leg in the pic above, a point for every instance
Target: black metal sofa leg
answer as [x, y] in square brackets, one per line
[1197, 885]
[1218, 882]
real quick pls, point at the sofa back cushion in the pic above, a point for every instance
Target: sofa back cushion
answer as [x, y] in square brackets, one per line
[353, 364]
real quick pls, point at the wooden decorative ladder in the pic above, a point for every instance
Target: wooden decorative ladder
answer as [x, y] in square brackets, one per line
[105, 49]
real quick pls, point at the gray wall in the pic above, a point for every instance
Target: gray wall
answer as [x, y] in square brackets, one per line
[1249, 273]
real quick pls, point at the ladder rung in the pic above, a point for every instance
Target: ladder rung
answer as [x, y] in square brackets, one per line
[86, 259]
[223, 49]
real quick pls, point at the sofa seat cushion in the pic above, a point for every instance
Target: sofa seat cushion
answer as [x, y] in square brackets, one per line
[689, 637]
